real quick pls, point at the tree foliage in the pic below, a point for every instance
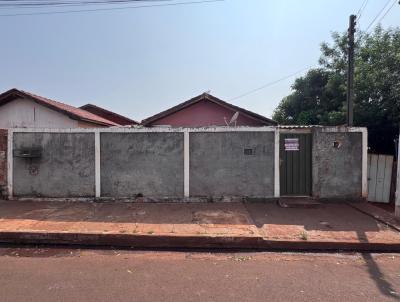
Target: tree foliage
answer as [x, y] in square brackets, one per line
[319, 97]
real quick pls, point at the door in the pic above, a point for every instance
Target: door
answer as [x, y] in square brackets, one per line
[295, 164]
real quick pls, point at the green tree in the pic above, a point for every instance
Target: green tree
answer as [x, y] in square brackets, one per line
[317, 100]
[320, 96]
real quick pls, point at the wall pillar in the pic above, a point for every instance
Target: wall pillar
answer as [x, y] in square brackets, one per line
[3, 161]
[277, 185]
[10, 163]
[186, 163]
[97, 171]
[364, 186]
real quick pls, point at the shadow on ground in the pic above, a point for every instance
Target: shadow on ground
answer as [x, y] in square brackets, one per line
[327, 222]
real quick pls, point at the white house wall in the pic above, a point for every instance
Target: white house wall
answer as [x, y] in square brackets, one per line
[23, 113]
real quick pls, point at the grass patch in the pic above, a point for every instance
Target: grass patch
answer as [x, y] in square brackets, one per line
[303, 235]
[241, 258]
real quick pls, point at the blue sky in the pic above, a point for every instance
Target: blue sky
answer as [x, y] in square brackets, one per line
[141, 61]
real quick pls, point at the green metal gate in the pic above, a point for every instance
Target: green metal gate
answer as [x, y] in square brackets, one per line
[295, 164]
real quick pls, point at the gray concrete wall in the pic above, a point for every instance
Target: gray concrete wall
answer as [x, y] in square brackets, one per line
[65, 168]
[337, 172]
[150, 164]
[219, 166]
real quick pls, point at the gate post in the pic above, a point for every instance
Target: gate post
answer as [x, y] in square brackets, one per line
[276, 164]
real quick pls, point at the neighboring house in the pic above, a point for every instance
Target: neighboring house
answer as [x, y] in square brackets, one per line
[206, 110]
[21, 109]
[109, 115]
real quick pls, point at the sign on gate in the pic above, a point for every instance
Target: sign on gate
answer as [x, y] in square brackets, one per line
[292, 144]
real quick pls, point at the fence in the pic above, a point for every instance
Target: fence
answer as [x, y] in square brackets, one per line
[379, 177]
[177, 162]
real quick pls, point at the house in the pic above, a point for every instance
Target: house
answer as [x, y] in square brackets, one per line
[21, 109]
[206, 110]
[109, 115]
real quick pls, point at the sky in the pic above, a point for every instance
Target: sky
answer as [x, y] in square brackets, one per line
[138, 62]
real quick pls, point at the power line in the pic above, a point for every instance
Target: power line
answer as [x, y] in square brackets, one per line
[361, 9]
[372, 22]
[269, 84]
[16, 3]
[43, 4]
[109, 9]
[384, 15]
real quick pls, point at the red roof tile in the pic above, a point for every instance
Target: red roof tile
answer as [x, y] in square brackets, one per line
[109, 115]
[71, 111]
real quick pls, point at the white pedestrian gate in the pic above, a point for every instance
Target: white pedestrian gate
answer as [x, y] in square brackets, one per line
[379, 177]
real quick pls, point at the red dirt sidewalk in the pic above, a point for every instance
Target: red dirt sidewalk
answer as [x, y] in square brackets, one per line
[250, 225]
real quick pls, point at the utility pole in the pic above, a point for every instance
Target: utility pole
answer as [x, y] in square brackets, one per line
[350, 70]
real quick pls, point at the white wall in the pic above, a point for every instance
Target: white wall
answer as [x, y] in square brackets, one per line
[22, 113]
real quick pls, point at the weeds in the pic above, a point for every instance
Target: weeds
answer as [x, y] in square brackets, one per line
[303, 235]
[241, 258]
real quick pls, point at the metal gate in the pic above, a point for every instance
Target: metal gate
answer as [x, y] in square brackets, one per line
[295, 164]
[379, 177]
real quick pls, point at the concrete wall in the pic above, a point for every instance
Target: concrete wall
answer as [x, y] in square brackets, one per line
[22, 113]
[162, 163]
[66, 167]
[337, 171]
[150, 164]
[220, 167]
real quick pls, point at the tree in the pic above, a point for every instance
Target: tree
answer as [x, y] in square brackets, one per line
[320, 96]
[317, 100]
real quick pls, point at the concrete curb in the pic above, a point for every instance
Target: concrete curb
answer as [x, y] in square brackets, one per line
[190, 242]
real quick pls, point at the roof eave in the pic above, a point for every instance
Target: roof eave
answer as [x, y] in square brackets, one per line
[172, 110]
[96, 122]
[176, 108]
[111, 112]
[243, 111]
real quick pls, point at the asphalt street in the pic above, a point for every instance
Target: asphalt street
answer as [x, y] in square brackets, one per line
[62, 274]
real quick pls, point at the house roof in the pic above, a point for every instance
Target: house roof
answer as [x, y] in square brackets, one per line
[70, 111]
[211, 98]
[109, 115]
